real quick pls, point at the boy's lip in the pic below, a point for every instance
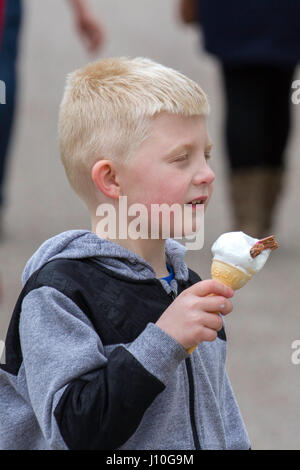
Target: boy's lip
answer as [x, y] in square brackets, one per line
[199, 198]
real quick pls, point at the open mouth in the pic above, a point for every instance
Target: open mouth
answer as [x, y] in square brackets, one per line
[200, 200]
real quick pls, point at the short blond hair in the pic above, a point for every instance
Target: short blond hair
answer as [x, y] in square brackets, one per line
[106, 110]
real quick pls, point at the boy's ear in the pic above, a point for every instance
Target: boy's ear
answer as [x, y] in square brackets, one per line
[105, 178]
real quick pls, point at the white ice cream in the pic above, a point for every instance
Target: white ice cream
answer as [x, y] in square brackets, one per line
[234, 248]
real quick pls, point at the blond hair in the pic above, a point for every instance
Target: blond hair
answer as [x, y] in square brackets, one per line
[106, 108]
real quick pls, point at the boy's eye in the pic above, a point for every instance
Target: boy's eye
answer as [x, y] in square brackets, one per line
[182, 158]
[207, 156]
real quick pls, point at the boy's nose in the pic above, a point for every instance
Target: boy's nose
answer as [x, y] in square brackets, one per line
[210, 177]
[206, 176]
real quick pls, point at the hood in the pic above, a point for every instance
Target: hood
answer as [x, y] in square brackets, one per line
[76, 244]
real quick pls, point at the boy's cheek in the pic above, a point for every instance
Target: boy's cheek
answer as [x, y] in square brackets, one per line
[210, 191]
[168, 196]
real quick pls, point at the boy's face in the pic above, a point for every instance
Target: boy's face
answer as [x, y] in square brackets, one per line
[171, 165]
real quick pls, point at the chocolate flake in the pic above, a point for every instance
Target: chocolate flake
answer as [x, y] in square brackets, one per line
[268, 243]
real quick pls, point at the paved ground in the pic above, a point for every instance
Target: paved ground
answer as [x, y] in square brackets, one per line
[266, 316]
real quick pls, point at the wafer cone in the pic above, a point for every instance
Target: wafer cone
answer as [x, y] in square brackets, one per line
[228, 275]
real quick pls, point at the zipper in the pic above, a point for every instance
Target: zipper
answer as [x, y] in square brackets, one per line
[192, 403]
[188, 365]
[172, 295]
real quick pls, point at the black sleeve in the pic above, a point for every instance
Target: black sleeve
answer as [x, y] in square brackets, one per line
[102, 410]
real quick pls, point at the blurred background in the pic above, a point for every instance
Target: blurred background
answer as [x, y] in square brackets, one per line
[40, 203]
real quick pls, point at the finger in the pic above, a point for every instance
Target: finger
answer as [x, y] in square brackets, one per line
[211, 321]
[95, 41]
[215, 304]
[208, 334]
[210, 286]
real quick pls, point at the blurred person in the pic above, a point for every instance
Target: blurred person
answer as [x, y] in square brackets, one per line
[258, 46]
[10, 20]
[88, 27]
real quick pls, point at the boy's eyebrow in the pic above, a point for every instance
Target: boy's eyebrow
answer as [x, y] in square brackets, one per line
[177, 149]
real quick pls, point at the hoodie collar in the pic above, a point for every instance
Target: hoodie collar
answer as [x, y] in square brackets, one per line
[78, 244]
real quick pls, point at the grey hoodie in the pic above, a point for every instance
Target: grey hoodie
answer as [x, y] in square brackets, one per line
[59, 344]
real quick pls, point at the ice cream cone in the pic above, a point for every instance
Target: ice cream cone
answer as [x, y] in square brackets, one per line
[228, 275]
[238, 248]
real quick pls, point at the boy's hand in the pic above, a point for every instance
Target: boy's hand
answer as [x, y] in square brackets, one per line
[191, 318]
[90, 28]
[88, 25]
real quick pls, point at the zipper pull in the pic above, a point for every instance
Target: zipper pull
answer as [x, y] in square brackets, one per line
[172, 295]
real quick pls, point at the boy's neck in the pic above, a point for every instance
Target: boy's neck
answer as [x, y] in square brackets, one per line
[152, 251]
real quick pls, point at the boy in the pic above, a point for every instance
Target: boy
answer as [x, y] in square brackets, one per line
[97, 346]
